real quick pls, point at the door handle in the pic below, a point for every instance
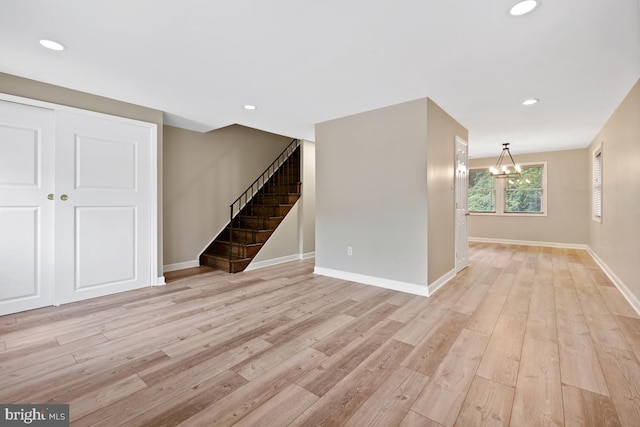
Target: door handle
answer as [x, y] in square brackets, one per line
[64, 197]
[50, 197]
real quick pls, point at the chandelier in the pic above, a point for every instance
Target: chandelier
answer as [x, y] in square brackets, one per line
[505, 170]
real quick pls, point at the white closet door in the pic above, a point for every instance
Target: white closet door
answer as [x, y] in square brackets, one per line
[26, 215]
[103, 226]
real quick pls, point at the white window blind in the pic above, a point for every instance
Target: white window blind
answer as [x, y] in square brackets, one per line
[597, 185]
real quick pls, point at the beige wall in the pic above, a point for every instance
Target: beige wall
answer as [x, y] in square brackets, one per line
[567, 202]
[616, 240]
[204, 173]
[32, 89]
[59, 95]
[441, 132]
[371, 193]
[284, 242]
[308, 198]
[385, 188]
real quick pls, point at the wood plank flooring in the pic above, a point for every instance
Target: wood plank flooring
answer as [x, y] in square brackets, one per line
[525, 336]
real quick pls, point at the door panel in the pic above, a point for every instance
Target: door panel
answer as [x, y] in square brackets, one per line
[95, 159]
[461, 190]
[103, 237]
[26, 214]
[106, 240]
[19, 252]
[20, 156]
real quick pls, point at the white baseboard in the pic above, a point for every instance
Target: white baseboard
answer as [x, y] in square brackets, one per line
[180, 265]
[441, 281]
[254, 265]
[410, 288]
[308, 255]
[530, 243]
[624, 290]
[160, 281]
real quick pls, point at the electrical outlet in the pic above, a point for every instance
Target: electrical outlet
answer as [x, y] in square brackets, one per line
[349, 251]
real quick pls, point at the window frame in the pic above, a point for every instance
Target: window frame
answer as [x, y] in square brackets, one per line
[595, 185]
[500, 190]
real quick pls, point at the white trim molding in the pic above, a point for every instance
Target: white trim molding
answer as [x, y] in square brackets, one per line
[442, 281]
[180, 265]
[530, 243]
[308, 255]
[410, 288]
[254, 265]
[624, 290]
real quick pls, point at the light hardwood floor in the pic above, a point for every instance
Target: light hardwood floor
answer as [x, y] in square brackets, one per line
[525, 336]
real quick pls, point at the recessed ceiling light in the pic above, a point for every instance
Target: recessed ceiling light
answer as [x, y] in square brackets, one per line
[523, 7]
[530, 101]
[250, 107]
[50, 44]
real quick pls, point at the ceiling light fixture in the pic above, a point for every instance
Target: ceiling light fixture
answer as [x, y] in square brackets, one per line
[504, 171]
[523, 7]
[250, 107]
[530, 101]
[50, 44]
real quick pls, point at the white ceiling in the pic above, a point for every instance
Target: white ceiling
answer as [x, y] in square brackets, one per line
[304, 62]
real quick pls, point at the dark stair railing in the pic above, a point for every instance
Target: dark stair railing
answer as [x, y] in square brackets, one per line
[282, 168]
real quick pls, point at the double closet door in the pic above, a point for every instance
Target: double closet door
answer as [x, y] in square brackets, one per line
[76, 218]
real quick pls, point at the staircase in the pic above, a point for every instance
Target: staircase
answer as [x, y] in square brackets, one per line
[256, 214]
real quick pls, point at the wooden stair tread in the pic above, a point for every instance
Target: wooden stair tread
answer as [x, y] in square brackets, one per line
[226, 259]
[270, 206]
[259, 216]
[226, 242]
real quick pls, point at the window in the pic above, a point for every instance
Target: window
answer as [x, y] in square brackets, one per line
[482, 193]
[522, 195]
[597, 185]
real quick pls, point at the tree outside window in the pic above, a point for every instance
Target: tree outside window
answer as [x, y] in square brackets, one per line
[482, 194]
[524, 193]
